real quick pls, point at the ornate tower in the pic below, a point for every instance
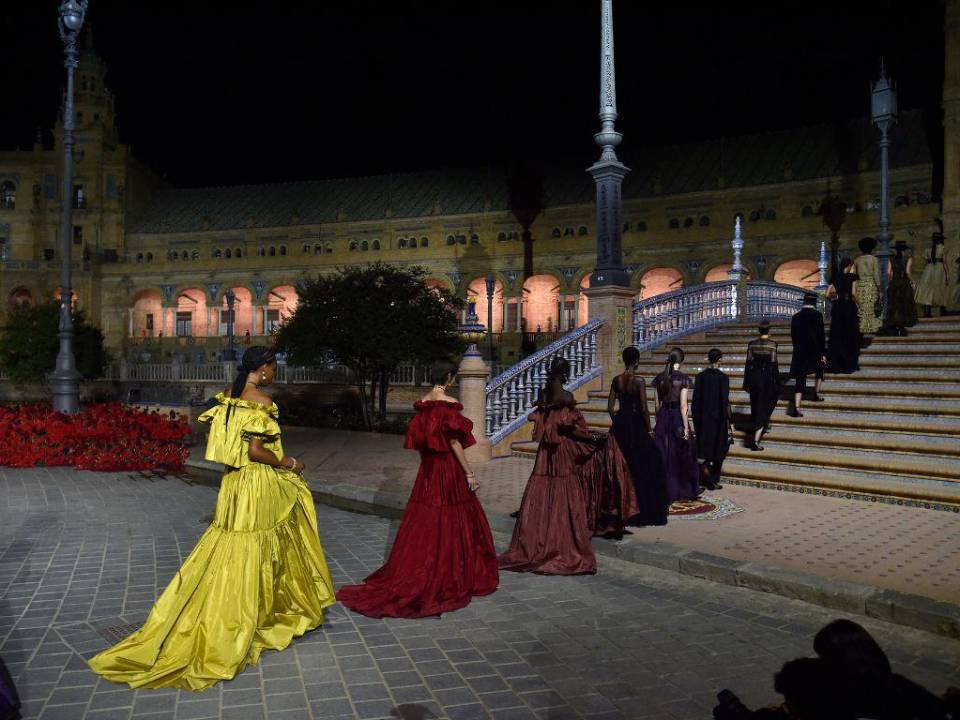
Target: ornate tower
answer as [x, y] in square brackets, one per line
[608, 172]
[94, 118]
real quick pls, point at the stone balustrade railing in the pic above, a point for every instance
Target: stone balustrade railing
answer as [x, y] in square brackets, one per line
[512, 394]
[708, 305]
[223, 372]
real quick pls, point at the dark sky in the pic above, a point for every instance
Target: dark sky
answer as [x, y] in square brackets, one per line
[237, 92]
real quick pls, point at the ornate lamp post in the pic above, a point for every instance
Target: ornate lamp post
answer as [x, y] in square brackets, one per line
[472, 332]
[491, 282]
[833, 210]
[883, 107]
[65, 379]
[231, 340]
[608, 172]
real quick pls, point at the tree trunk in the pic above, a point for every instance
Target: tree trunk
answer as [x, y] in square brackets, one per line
[373, 390]
[384, 386]
[365, 404]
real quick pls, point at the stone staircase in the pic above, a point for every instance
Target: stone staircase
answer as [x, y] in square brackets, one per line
[888, 433]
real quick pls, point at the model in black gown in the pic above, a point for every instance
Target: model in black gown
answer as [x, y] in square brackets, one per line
[761, 378]
[632, 430]
[901, 305]
[712, 420]
[843, 349]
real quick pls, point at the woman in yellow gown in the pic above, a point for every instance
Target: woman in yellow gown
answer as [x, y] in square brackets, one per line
[257, 578]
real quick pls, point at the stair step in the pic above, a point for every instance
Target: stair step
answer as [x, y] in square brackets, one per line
[818, 417]
[867, 360]
[915, 347]
[844, 385]
[649, 369]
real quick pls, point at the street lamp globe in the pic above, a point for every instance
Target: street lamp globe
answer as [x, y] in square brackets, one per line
[71, 14]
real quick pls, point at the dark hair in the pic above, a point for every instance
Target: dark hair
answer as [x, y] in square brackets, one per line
[443, 369]
[254, 357]
[764, 327]
[663, 379]
[845, 262]
[630, 355]
[847, 646]
[714, 355]
[867, 244]
[558, 373]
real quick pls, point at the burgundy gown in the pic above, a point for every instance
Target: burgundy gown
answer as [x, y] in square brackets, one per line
[443, 554]
[553, 533]
[679, 455]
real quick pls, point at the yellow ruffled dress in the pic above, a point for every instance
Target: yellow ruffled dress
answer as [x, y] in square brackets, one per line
[256, 579]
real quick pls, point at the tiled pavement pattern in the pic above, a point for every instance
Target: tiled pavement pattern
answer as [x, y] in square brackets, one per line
[82, 550]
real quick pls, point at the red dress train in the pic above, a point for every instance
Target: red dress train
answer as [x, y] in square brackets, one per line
[443, 554]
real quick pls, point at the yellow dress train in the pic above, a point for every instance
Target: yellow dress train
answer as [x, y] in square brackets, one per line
[256, 579]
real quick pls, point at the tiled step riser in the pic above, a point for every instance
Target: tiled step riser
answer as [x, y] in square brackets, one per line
[843, 388]
[945, 375]
[950, 349]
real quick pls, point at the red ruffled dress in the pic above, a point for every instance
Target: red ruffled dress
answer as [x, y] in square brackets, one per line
[553, 532]
[443, 554]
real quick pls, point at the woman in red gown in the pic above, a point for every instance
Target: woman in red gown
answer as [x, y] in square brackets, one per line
[443, 554]
[553, 531]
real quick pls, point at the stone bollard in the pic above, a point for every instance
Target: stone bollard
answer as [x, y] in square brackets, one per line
[614, 304]
[472, 378]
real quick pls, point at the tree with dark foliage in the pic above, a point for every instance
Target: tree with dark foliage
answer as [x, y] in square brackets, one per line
[371, 319]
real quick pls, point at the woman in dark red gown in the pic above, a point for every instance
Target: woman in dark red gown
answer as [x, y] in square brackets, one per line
[443, 554]
[553, 531]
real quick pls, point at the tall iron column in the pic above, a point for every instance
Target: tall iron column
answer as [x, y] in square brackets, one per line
[883, 106]
[608, 172]
[65, 380]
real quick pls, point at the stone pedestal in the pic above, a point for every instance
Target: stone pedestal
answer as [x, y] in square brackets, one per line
[614, 304]
[472, 378]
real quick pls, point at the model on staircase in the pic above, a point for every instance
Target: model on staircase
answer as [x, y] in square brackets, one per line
[674, 430]
[868, 288]
[901, 307]
[843, 350]
[761, 379]
[933, 288]
[809, 351]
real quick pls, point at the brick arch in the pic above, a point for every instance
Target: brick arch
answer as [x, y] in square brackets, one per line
[661, 279]
[722, 271]
[476, 291]
[541, 293]
[21, 297]
[193, 301]
[801, 272]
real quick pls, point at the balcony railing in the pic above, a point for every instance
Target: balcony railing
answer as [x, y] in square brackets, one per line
[223, 372]
[512, 394]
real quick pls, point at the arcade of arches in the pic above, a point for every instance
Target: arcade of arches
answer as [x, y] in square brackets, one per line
[194, 315]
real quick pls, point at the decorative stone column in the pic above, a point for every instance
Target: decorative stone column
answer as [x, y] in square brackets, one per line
[472, 377]
[614, 305]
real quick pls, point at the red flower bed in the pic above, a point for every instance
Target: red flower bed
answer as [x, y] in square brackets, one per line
[103, 436]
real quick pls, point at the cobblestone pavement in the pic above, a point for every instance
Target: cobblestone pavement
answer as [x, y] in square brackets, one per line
[82, 552]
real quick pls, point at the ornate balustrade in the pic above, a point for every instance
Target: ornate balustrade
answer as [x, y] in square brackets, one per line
[223, 372]
[512, 394]
[772, 301]
[683, 311]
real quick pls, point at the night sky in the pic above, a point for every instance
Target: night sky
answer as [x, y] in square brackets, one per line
[213, 93]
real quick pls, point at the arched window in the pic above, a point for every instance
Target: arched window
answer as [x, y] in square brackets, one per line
[172, 255]
[474, 239]
[149, 257]
[424, 242]
[353, 245]
[688, 222]
[771, 214]
[185, 255]
[306, 248]
[568, 232]
[376, 244]
[626, 227]
[413, 242]
[674, 223]
[704, 221]
[754, 216]
[317, 249]
[555, 232]
[901, 201]
[272, 251]
[8, 200]
[451, 240]
[641, 226]
[501, 237]
[582, 230]
[283, 249]
[238, 252]
[364, 246]
[228, 253]
[462, 239]
[261, 251]
[329, 246]
[195, 255]
[514, 235]
[401, 243]
[139, 257]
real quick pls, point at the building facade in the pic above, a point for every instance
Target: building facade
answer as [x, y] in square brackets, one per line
[153, 264]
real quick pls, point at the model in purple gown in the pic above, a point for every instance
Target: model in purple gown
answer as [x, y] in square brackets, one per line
[673, 434]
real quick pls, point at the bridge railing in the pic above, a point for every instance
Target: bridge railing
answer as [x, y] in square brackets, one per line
[703, 307]
[512, 394]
